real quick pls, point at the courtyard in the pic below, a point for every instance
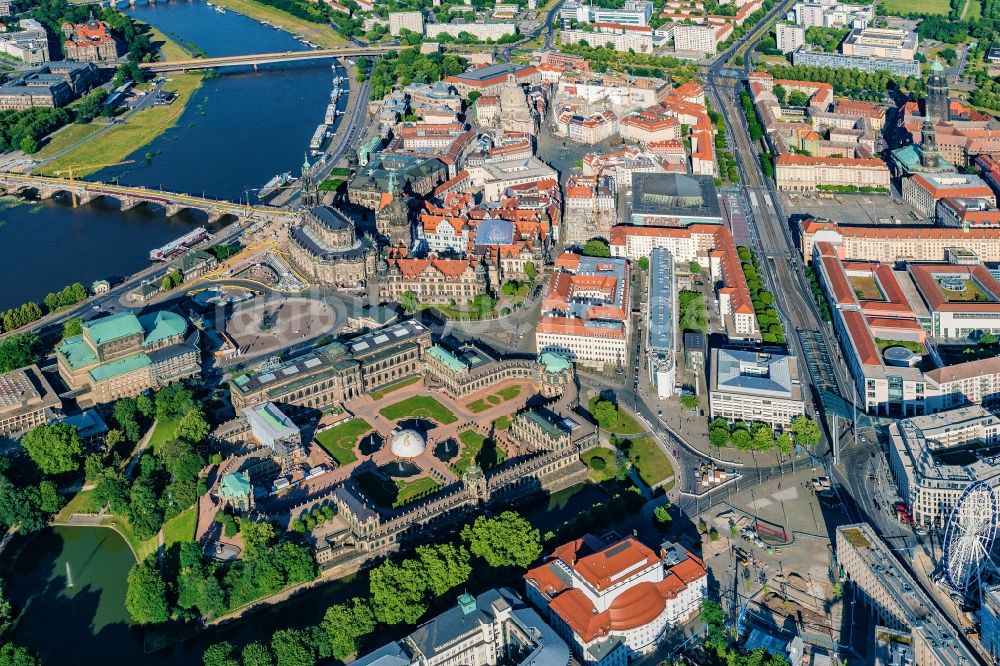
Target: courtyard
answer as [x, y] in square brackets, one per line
[866, 288]
[957, 289]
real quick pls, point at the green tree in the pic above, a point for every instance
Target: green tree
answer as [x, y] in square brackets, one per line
[719, 437]
[293, 647]
[166, 284]
[256, 536]
[55, 448]
[806, 431]
[397, 592]
[257, 654]
[193, 427]
[596, 247]
[643, 263]
[173, 401]
[220, 654]
[345, 624]
[18, 350]
[763, 439]
[408, 301]
[661, 516]
[605, 413]
[48, 499]
[145, 405]
[689, 401]
[72, 327]
[146, 596]
[17, 510]
[530, 271]
[12, 654]
[445, 566]
[507, 540]
[798, 98]
[741, 440]
[112, 490]
[784, 443]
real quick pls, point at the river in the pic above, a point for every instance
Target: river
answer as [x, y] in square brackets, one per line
[239, 130]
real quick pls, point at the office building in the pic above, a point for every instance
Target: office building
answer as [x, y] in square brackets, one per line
[614, 601]
[586, 311]
[412, 21]
[496, 627]
[52, 85]
[989, 622]
[26, 400]
[880, 43]
[661, 336]
[30, 44]
[924, 190]
[789, 37]
[89, 42]
[810, 57]
[826, 14]
[897, 601]
[755, 387]
[122, 355]
[933, 460]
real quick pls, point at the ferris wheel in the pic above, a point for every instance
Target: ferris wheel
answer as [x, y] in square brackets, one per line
[969, 535]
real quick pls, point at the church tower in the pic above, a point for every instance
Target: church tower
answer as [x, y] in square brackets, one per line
[310, 192]
[929, 157]
[937, 104]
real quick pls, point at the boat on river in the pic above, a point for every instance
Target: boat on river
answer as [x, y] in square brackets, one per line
[275, 184]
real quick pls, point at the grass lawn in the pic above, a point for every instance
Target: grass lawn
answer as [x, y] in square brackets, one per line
[164, 432]
[972, 293]
[626, 425]
[419, 407]
[601, 463]
[899, 7]
[651, 463]
[82, 502]
[504, 394]
[472, 444]
[169, 49]
[340, 440]
[317, 33]
[477, 406]
[66, 137]
[509, 392]
[866, 288]
[973, 10]
[379, 394]
[410, 491]
[502, 423]
[142, 549]
[180, 527]
[139, 130]
[395, 493]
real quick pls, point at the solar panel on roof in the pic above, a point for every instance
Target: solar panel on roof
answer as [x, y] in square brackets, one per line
[615, 550]
[312, 363]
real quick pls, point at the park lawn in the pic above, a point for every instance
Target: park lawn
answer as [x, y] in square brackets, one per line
[502, 423]
[381, 393]
[65, 138]
[651, 463]
[139, 130]
[419, 407]
[83, 502]
[181, 527]
[477, 406]
[598, 473]
[142, 549]
[973, 10]
[626, 424]
[503, 395]
[411, 491]
[165, 431]
[472, 444]
[317, 33]
[509, 392]
[341, 440]
[169, 49]
[900, 7]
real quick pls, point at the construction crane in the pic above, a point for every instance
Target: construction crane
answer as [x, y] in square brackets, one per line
[72, 180]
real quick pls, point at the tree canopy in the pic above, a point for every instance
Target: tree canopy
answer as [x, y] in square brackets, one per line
[55, 448]
[507, 540]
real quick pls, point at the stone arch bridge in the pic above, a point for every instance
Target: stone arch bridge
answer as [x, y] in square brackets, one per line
[130, 197]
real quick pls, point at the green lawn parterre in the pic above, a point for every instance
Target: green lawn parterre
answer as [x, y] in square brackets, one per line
[651, 463]
[419, 407]
[341, 440]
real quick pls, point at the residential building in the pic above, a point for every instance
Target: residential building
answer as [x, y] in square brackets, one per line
[5, 6]
[789, 37]
[700, 38]
[122, 355]
[586, 312]
[893, 244]
[338, 371]
[89, 42]
[482, 31]
[755, 387]
[412, 21]
[924, 456]
[620, 37]
[661, 334]
[496, 627]
[897, 600]
[26, 400]
[614, 601]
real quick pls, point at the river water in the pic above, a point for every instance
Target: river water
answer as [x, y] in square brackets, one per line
[239, 130]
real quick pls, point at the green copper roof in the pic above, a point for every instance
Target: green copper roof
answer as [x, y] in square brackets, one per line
[554, 362]
[446, 357]
[235, 485]
[119, 367]
[161, 325]
[77, 352]
[115, 327]
[936, 66]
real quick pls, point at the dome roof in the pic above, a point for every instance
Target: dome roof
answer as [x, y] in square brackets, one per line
[495, 232]
[407, 444]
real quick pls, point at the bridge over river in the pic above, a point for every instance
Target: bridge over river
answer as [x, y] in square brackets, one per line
[130, 197]
[262, 58]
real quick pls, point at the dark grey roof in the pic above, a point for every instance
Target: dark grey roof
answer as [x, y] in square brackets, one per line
[332, 219]
[694, 341]
[674, 194]
[489, 72]
[301, 237]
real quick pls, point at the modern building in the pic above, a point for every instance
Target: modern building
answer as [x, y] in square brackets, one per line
[897, 600]
[26, 400]
[880, 43]
[496, 627]
[271, 428]
[755, 387]
[924, 190]
[412, 21]
[810, 57]
[122, 355]
[962, 301]
[674, 200]
[89, 42]
[325, 247]
[827, 14]
[789, 37]
[30, 44]
[586, 314]
[934, 459]
[614, 601]
[633, 12]
[661, 334]
[338, 371]
[989, 621]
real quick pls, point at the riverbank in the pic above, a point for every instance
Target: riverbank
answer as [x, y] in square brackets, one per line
[318, 33]
[137, 131]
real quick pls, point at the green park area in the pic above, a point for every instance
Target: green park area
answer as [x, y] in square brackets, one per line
[501, 396]
[382, 392]
[970, 292]
[602, 464]
[164, 430]
[317, 33]
[181, 527]
[501, 423]
[341, 440]
[137, 131]
[66, 137]
[477, 448]
[396, 493]
[647, 458]
[904, 7]
[613, 419]
[419, 407]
